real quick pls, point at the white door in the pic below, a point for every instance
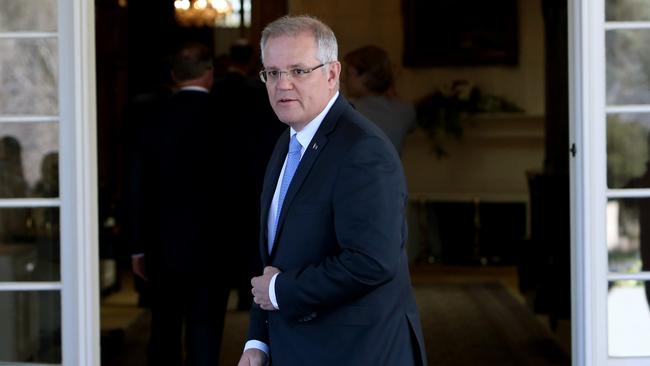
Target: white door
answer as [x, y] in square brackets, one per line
[48, 243]
[610, 91]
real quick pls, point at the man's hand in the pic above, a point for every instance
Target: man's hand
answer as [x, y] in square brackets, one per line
[260, 289]
[252, 357]
[137, 264]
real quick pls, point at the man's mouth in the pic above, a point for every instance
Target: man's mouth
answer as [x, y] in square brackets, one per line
[286, 100]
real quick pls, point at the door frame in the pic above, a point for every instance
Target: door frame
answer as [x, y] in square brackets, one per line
[589, 192]
[586, 103]
[78, 182]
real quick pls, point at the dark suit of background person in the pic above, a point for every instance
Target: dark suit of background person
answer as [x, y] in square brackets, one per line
[140, 118]
[183, 197]
[343, 290]
[244, 96]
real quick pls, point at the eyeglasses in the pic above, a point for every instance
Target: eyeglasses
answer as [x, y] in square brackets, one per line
[272, 76]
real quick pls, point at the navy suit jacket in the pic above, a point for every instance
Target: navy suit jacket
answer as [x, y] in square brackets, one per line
[177, 202]
[344, 293]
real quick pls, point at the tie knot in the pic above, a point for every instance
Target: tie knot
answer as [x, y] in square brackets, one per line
[294, 145]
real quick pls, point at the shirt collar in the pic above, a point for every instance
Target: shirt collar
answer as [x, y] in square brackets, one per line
[307, 134]
[194, 88]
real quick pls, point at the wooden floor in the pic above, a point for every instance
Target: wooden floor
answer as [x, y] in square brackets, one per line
[431, 274]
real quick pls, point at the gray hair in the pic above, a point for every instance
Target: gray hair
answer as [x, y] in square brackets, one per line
[327, 48]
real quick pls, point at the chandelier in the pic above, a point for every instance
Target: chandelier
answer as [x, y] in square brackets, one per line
[200, 13]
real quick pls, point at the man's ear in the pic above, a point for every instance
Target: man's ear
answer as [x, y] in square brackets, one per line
[334, 72]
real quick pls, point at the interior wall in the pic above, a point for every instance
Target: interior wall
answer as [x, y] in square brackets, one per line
[361, 22]
[491, 161]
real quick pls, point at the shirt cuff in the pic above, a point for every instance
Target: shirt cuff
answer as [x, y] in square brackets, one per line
[257, 345]
[138, 255]
[272, 297]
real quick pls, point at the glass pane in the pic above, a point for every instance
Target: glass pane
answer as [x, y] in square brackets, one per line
[628, 318]
[627, 150]
[628, 66]
[627, 10]
[28, 72]
[31, 327]
[28, 15]
[628, 235]
[29, 244]
[29, 160]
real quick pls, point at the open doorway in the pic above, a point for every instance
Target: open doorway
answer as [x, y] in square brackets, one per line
[474, 213]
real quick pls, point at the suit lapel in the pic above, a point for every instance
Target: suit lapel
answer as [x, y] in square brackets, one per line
[270, 182]
[314, 149]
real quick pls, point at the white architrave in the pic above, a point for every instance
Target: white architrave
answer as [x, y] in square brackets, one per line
[588, 182]
[78, 182]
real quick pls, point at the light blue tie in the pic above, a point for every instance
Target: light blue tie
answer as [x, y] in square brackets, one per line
[293, 159]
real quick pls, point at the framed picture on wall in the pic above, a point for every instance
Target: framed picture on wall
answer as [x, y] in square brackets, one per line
[460, 32]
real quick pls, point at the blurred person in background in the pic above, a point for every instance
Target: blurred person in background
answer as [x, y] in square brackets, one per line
[370, 85]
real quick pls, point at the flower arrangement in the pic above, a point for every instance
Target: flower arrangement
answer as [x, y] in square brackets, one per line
[441, 113]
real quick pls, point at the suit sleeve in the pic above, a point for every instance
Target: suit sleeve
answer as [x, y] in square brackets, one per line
[368, 207]
[258, 325]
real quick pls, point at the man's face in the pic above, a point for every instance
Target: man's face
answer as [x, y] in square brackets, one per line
[297, 101]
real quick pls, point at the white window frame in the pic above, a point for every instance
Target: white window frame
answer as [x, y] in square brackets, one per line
[589, 193]
[79, 284]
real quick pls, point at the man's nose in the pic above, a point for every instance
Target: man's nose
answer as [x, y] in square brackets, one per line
[284, 82]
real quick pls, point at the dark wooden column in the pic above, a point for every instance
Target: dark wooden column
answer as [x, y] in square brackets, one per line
[152, 36]
[262, 13]
[545, 261]
[557, 86]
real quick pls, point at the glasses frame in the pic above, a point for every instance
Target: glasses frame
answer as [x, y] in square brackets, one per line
[295, 73]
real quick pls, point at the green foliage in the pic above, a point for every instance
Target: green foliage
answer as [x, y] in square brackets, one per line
[441, 113]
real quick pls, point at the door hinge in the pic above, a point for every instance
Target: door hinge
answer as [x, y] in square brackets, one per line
[573, 150]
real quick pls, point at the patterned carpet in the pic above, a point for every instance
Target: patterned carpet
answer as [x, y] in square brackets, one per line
[482, 324]
[464, 324]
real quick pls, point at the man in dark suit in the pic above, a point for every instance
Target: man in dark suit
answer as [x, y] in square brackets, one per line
[179, 235]
[336, 287]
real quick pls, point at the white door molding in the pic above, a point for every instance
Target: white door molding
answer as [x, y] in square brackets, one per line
[588, 182]
[78, 182]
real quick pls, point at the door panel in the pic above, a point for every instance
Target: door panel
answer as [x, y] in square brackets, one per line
[48, 241]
